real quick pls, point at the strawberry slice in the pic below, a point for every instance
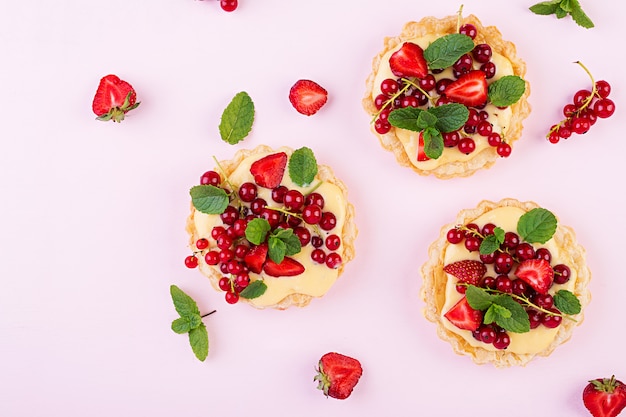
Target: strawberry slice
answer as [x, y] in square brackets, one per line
[114, 98]
[256, 257]
[268, 171]
[463, 316]
[467, 271]
[337, 375]
[408, 61]
[421, 155]
[307, 97]
[289, 267]
[469, 89]
[537, 273]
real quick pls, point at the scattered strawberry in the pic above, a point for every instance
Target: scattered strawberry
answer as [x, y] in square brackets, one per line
[421, 155]
[256, 258]
[537, 273]
[467, 271]
[605, 397]
[469, 89]
[289, 267]
[268, 171]
[307, 97]
[114, 98]
[463, 316]
[408, 61]
[337, 375]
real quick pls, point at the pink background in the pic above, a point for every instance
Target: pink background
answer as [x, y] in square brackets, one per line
[93, 214]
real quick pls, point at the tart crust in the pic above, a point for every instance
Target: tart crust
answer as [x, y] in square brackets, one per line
[348, 233]
[435, 279]
[486, 34]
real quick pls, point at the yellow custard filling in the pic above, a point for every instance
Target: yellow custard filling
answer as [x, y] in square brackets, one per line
[499, 118]
[317, 278]
[531, 342]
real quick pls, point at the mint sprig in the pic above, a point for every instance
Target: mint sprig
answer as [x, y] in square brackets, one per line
[537, 225]
[237, 119]
[209, 199]
[257, 230]
[491, 243]
[302, 166]
[446, 50]
[562, 8]
[567, 302]
[190, 321]
[506, 90]
[280, 242]
[499, 308]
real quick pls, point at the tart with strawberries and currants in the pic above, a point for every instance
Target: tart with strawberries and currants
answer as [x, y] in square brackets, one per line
[271, 227]
[505, 283]
[447, 96]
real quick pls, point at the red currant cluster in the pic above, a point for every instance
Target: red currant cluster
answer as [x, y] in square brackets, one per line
[228, 249]
[584, 111]
[539, 307]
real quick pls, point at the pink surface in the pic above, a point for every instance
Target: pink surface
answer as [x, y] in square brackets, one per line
[93, 214]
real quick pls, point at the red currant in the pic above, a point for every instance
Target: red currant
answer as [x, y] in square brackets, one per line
[318, 256]
[603, 88]
[552, 320]
[333, 242]
[562, 273]
[467, 145]
[503, 149]
[315, 198]
[212, 257]
[389, 86]
[494, 139]
[231, 297]
[229, 5]
[224, 283]
[328, 221]
[202, 243]
[502, 341]
[303, 234]
[469, 30]
[211, 178]
[604, 108]
[247, 192]
[191, 261]
[455, 236]
[294, 200]
[482, 53]
[333, 260]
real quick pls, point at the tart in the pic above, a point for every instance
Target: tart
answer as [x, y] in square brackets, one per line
[505, 283]
[437, 62]
[271, 227]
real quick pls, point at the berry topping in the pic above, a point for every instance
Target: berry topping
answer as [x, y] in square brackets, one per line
[268, 171]
[408, 61]
[470, 89]
[537, 273]
[605, 397]
[463, 316]
[467, 271]
[289, 267]
[114, 98]
[256, 257]
[338, 375]
[307, 97]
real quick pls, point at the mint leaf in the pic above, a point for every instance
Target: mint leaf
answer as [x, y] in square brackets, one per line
[566, 302]
[276, 249]
[209, 199]
[491, 243]
[478, 298]
[537, 226]
[292, 245]
[446, 50]
[545, 7]
[237, 119]
[256, 230]
[254, 289]
[506, 90]
[515, 319]
[405, 118]
[181, 325]
[184, 304]
[426, 119]
[579, 15]
[199, 340]
[302, 166]
[433, 143]
[565, 5]
[450, 117]
[283, 242]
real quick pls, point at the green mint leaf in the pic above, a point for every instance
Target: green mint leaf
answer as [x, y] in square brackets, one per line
[276, 249]
[405, 118]
[499, 233]
[450, 117]
[560, 12]
[567, 302]
[506, 90]
[433, 143]
[579, 16]
[199, 341]
[446, 50]
[253, 290]
[302, 166]
[517, 321]
[496, 313]
[184, 304]
[489, 245]
[537, 226]
[292, 245]
[545, 7]
[478, 298]
[256, 230]
[425, 120]
[237, 118]
[566, 5]
[181, 325]
[209, 199]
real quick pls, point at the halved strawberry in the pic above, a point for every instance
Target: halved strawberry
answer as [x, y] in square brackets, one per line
[256, 257]
[114, 98]
[537, 273]
[463, 316]
[268, 171]
[469, 89]
[468, 271]
[408, 61]
[337, 375]
[289, 267]
[307, 97]
[421, 155]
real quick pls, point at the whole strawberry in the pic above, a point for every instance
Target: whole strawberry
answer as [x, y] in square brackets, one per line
[114, 98]
[605, 397]
[337, 375]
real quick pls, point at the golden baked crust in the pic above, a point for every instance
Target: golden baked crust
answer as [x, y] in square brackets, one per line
[348, 233]
[434, 286]
[486, 34]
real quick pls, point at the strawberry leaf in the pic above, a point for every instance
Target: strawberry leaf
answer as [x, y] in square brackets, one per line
[209, 199]
[237, 119]
[302, 166]
[506, 90]
[537, 226]
[254, 290]
[567, 302]
[256, 230]
[450, 117]
[446, 50]
[199, 341]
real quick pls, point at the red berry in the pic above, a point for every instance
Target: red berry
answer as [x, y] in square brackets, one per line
[455, 236]
[503, 149]
[467, 145]
[604, 108]
[224, 283]
[229, 5]
[212, 257]
[211, 178]
[202, 243]
[247, 192]
[469, 30]
[333, 242]
[603, 89]
[191, 261]
[231, 297]
[318, 256]
[328, 221]
[333, 260]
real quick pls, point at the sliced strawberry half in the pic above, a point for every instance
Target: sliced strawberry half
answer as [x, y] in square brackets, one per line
[463, 316]
[408, 61]
[289, 267]
[307, 97]
[113, 99]
[468, 271]
[537, 273]
[256, 257]
[268, 171]
[421, 155]
[469, 89]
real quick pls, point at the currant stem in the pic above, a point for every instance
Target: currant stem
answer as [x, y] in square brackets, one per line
[594, 90]
[297, 216]
[208, 314]
[232, 187]
[529, 303]
[459, 17]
